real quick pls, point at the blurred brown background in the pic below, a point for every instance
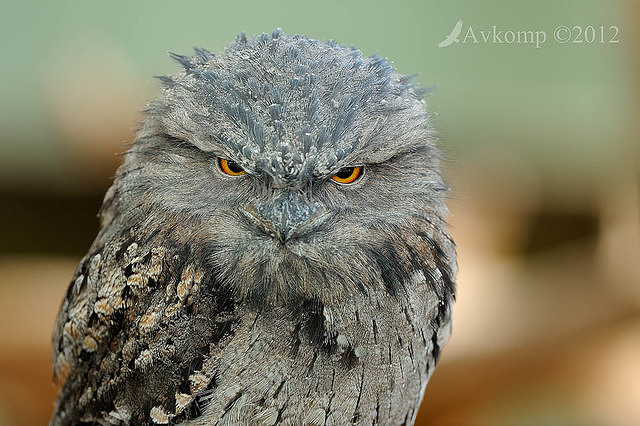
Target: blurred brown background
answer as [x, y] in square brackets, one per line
[543, 158]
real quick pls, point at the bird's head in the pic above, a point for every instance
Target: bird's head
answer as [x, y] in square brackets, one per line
[299, 168]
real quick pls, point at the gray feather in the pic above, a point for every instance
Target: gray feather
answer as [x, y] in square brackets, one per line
[277, 296]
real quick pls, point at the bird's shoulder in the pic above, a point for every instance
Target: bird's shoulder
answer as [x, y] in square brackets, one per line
[138, 312]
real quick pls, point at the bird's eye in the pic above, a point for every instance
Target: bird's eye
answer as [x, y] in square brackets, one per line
[230, 167]
[347, 175]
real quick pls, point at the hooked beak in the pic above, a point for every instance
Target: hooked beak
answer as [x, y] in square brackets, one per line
[288, 216]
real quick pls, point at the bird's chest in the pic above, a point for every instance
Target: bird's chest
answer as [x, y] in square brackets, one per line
[361, 364]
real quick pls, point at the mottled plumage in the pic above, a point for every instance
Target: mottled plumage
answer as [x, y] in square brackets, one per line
[277, 295]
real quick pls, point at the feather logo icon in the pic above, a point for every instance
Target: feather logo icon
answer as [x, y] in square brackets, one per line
[453, 36]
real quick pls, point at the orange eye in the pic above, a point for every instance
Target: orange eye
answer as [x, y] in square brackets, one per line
[347, 175]
[230, 167]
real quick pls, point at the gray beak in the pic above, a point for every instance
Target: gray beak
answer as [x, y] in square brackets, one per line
[287, 216]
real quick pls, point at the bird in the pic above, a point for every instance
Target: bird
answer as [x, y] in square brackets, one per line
[274, 249]
[453, 36]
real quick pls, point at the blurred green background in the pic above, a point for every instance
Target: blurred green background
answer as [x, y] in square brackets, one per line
[543, 157]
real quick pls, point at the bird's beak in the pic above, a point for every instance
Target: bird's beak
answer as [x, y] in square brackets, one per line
[288, 215]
